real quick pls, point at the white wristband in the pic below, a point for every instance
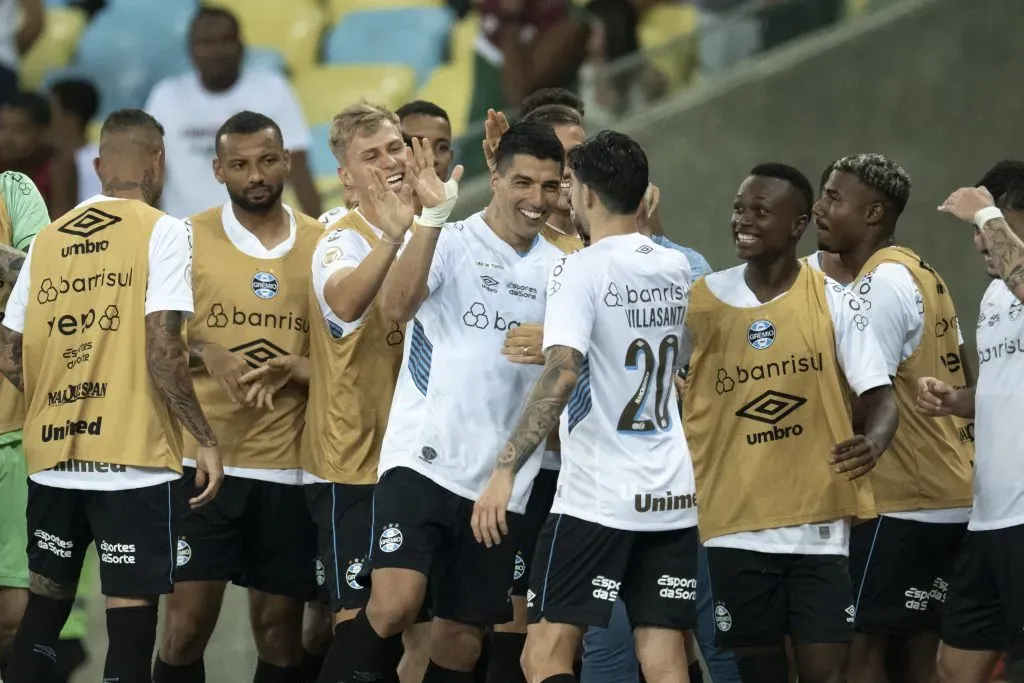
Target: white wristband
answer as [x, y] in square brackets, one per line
[437, 216]
[983, 216]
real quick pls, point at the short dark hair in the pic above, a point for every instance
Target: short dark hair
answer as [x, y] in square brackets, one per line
[1005, 182]
[825, 175]
[555, 115]
[528, 139]
[614, 167]
[880, 173]
[247, 123]
[208, 12]
[78, 96]
[422, 108]
[546, 96]
[791, 175]
[36, 105]
[129, 119]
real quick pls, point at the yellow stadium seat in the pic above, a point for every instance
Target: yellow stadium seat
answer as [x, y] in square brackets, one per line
[92, 132]
[55, 47]
[669, 31]
[464, 38]
[292, 27]
[451, 87]
[857, 8]
[339, 8]
[326, 90]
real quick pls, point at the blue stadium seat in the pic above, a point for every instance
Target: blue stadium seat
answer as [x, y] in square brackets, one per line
[126, 50]
[321, 161]
[154, 5]
[416, 37]
[56, 3]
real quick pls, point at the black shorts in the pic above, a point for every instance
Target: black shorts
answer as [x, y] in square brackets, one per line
[900, 572]
[256, 534]
[133, 529]
[985, 606]
[586, 567]
[759, 598]
[537, 509]
[344, 518]
[422, 526]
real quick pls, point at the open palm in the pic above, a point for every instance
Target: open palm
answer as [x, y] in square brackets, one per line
[419, 167]
[394, 210]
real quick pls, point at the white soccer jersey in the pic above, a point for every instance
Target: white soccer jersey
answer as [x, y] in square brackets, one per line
[863, 365]
[998, 438]
[457, 398]
[625, 465]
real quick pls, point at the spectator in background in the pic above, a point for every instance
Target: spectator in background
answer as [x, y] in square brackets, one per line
[523, 46]
[725, 35]
[16, 37]
[193, 106]
[73, 104]
[25, 140]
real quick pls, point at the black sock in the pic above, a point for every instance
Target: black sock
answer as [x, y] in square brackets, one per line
[71, 655]
[482, 669]
[268, 673]
[696, 673]
[5, 650]
[131, 633]
[767, 665]
[188, 673]
[33, 653]
[560, 678]
[358, 653]
[311, 665]
[503, 665]
[438, 674]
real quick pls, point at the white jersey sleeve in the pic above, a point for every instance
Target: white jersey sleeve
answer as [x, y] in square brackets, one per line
[170, 267]
[444, 257]
[14, 316]
[569, 316]
[339, 250]
[332, 216]
[857, 349]
[894, 305]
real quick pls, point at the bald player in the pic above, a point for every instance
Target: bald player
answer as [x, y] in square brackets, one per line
[107, 285]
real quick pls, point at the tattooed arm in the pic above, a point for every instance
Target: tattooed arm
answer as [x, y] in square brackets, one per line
[10, 357]
[167, 357]
[11, 262]
[547, 401]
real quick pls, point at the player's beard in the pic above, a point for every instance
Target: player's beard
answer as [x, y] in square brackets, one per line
[262, 205]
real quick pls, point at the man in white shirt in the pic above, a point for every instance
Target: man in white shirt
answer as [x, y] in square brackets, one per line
[776, 347]
[619, 524]
[460, 287]
[984, 610]
[192, 107]
[900, 562]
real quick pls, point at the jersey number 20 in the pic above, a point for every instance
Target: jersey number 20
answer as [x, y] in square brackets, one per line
[657, 370]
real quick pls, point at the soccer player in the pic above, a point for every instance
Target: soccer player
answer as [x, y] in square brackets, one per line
[984, 611]
[251, 278]
[618, 525]
[356, 352]
[900, 561]
[776, 347]
[460, 288]
[93, 336]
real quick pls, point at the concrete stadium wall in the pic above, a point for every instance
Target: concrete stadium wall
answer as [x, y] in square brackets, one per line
[931, 83]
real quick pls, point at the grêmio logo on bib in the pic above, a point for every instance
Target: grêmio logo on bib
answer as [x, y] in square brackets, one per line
[84, 226]
[265, 285]
[72, 428]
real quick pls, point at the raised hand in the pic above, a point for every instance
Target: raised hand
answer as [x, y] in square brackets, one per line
[394, 210]
[494, 127]
[966, 202]
[419, 169]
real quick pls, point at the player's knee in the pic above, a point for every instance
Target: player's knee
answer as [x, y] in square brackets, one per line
[390, 614]
[317, 627]
[544, 653]
[455, 646]
[278, 637]
[186, 633]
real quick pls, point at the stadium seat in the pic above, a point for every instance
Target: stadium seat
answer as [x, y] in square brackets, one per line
[148, 4]
[292, 27]
[669, 30]
[339, 8]
[326, 90]
[56, 3]
[321, 161]
[415, 37]
[55, 47]
[450, 87]
[463, 45]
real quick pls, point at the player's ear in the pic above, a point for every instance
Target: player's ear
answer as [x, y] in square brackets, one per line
[799, 226]
[875, 213]
[218, 171]
[589, 197]
[287, 156]
[345, 177]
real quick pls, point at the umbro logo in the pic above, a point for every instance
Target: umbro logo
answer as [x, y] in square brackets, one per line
[771, 407]
[644, 249]
[88, 223]
[489, 283]
[259, 351]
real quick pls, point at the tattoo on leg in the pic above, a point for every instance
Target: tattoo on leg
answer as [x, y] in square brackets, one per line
[48, 588]
[10, 357]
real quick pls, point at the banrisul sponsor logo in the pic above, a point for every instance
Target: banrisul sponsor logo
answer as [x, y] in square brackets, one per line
[59, 432]
[77, 392]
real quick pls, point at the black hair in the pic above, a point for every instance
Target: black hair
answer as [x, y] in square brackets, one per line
[555, 115]
[825, 175]
[546, 96]
[78, 96]
[247, 123]
[36, 105]
[528, 139]
[207, 12]
[882, 175]
[129, 119]
[1005, 182]
[614, 167]
[422, 108]
[791, 175]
